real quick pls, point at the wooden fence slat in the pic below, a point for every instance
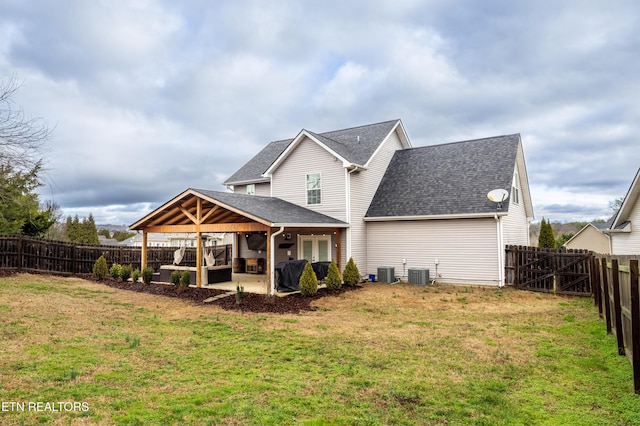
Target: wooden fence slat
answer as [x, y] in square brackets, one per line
[617, 306]
[635, 324]
[605, 288]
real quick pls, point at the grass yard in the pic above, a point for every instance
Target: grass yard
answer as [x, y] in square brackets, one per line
[388, 355]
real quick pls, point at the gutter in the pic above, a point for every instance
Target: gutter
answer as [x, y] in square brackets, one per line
[432, 217]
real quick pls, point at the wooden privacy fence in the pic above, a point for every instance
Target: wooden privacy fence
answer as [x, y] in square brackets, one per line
[558, 271]
[30, 254]
[616, 293]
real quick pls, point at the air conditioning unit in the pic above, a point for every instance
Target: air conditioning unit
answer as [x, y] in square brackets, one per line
[418, 276]
[386, 274]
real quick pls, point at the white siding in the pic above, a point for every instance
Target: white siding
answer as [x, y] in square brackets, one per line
[467, 249]
[263, 189]
[289, 179]
[515, 224]
[363, 187]
[628, 243]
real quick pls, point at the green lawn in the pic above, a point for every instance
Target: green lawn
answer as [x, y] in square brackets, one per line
[380, 355]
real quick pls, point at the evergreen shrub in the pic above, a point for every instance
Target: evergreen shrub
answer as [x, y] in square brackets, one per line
[333, 280]
[351, 275]
[100, 268]
[308, 281]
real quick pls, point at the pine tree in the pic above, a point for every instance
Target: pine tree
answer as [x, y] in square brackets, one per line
[546, 239]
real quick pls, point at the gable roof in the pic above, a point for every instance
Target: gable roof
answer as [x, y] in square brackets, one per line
[448, 180]
[355, 146]
[621, 219]
[224, 208]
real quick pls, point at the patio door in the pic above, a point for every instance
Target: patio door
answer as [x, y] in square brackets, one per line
[315, 248]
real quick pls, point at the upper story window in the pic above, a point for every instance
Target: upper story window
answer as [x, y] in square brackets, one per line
[515, 188]
[251, 189]
[314, 188]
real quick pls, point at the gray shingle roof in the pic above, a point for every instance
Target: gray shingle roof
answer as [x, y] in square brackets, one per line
[356, 145]
[271, 209]
[448, 179]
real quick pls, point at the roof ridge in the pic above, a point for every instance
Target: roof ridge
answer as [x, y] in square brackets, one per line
[459, 142]
[359, 127]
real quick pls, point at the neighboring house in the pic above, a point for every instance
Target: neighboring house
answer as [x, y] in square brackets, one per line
[625, 228]
[403, 207]
[591, 237]
[176, 240]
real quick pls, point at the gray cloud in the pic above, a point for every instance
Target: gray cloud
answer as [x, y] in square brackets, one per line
[155, 97]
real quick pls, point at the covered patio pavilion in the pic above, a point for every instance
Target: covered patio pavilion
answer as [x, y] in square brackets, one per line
[199, 211]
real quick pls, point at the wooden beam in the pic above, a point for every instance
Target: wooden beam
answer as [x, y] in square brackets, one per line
[209, 213]
[188, 214]
[213, 227]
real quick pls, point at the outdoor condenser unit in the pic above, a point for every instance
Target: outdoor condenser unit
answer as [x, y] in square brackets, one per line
[418, 276]
[386, 274]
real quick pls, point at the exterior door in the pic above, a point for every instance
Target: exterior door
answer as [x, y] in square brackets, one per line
[315, 248]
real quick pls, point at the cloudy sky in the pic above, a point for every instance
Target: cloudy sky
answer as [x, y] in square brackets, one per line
[151, 97]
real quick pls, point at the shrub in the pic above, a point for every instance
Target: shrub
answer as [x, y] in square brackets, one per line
[125, 272]
[100, 268]
[308, 281]
[135, 275]
[175, 277]
[185, 279]
[351, 275]
[333, 280]
[239, 294]
[115, 271]
[147, 274]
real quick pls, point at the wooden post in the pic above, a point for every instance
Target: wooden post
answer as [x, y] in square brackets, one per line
[617, 305]
[144, 252]
[607, 298]
[635, 324]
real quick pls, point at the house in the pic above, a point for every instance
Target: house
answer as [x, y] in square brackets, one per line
[365, 192]
[591, 237]
[176, 240]
[625, 237]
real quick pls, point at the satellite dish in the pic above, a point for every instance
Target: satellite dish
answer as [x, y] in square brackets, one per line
[498, 196]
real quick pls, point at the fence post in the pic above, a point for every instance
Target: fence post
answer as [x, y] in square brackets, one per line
[635, 324]
[617, 304]
[607, 298]
[595, 283]
[19, 260]
[516, 263]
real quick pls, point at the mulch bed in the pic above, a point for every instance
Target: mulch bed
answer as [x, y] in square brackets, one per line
[259, 303]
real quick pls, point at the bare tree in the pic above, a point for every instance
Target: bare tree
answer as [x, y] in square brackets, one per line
[21, 139]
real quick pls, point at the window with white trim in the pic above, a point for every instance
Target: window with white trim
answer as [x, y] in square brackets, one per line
[251, 189]
[314, 188]
[515, 188]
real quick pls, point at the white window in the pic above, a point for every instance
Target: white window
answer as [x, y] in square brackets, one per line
[314, 188]
[251, 189]
[515, 188]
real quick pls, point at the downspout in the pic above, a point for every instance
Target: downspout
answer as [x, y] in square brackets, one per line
[272, 255]
[348, 212]
[500, 252]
